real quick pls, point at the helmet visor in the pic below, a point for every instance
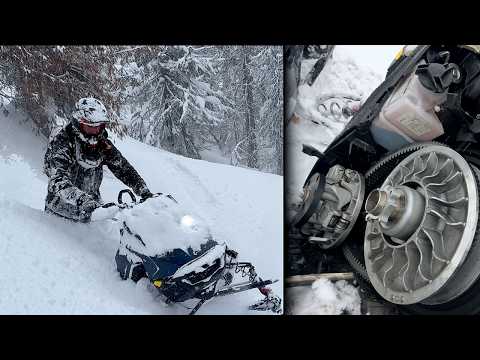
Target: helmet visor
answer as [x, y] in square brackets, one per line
[91, 130]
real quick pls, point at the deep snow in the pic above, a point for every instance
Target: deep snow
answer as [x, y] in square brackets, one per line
[53, 266]
[324, 297]
[341, 75]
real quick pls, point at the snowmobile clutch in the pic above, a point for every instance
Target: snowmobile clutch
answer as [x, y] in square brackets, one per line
[330, 206]
[421, 229]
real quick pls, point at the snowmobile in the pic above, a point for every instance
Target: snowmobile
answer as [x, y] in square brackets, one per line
[175, 252]
[397, 191]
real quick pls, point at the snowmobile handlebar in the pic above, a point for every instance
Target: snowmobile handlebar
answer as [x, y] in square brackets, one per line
[126, 191]
[121, 204]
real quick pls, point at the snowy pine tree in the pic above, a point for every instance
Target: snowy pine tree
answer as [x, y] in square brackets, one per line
[255, 83]
[190, 100]
[176, 100]
[48, 80]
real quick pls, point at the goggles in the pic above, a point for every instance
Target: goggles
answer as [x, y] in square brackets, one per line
[89, 129]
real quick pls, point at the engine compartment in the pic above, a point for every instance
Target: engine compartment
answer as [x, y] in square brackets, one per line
[428, 104]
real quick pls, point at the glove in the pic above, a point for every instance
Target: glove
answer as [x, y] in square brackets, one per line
[87, 208]
[145, 194]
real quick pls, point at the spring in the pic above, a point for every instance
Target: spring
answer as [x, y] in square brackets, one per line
[244, 269]
[338, 106]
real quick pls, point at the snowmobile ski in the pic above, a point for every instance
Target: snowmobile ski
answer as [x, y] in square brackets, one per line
[268, 303]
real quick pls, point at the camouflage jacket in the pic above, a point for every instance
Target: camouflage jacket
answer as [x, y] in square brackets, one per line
[71, 184]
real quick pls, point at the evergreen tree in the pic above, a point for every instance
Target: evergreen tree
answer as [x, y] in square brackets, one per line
[48, 80]
[176, 99]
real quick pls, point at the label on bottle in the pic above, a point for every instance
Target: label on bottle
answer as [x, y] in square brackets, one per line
[416, 126]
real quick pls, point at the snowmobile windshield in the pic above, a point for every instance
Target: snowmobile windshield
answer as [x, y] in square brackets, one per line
[90, 129]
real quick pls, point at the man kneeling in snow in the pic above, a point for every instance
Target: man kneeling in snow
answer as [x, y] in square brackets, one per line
[74, 163]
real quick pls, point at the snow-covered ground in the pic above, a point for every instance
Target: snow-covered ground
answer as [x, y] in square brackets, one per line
[342, 74]
[324, 298]
[53, 266]
[214, 155]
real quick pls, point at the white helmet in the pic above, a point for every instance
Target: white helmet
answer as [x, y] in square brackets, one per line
[90, 111]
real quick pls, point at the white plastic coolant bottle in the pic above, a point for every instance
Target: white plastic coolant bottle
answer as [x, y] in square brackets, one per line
[408, 116]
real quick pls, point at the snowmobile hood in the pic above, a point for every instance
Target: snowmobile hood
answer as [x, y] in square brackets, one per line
[162, 225]
[203, 261]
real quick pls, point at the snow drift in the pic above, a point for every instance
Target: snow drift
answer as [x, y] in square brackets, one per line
[53, 266]
[162, 224]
